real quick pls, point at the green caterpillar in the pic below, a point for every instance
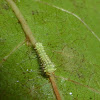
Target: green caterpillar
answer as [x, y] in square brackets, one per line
[49, 67]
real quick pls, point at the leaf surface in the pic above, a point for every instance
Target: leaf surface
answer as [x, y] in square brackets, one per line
[69, 43]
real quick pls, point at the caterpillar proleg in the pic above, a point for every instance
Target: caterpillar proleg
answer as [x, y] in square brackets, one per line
[49, 67]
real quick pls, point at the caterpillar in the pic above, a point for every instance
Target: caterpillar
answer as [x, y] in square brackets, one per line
[49, 67]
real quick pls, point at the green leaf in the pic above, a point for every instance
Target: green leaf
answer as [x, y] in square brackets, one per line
[72, 44]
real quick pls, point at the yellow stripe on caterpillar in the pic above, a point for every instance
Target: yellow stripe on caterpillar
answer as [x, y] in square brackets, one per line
[49, 67]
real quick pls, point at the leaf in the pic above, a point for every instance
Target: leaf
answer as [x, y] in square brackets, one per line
[70, 44]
